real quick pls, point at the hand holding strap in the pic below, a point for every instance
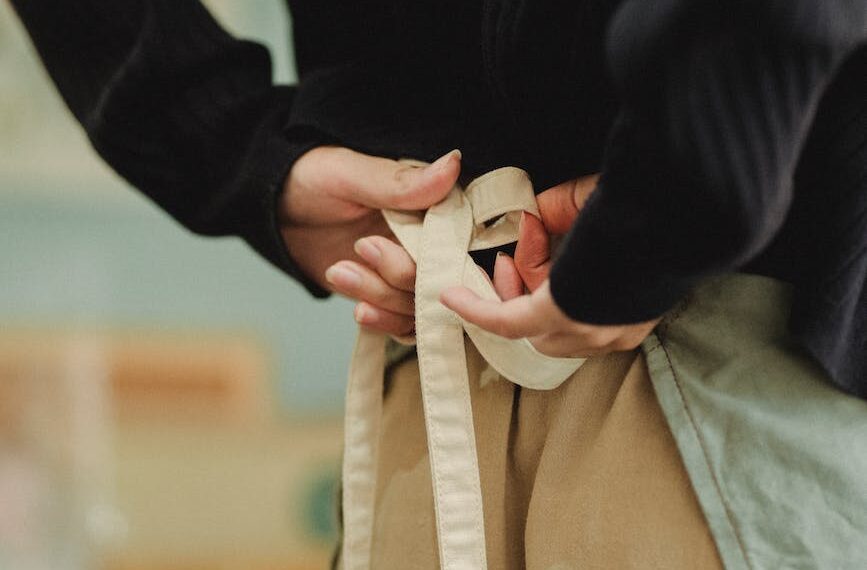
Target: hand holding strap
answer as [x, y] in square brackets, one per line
[439, 241]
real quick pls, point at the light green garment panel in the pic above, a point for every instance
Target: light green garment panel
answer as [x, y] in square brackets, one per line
[777, 456]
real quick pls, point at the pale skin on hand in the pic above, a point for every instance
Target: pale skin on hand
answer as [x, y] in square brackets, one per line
[527, 308]
[333, 196]
[535, 316]
[384, 283]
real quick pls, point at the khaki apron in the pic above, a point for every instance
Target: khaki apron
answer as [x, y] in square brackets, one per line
[686, 454]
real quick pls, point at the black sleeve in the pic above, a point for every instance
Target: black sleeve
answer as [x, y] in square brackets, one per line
[716, 104]
[182, 110]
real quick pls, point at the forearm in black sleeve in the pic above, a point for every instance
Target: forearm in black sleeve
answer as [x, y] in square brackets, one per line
[698, 171]
[182, 110]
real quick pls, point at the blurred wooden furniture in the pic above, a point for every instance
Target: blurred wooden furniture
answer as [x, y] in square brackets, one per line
[200, 469]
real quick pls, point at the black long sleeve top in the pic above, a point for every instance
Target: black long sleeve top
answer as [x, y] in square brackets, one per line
[731, 136]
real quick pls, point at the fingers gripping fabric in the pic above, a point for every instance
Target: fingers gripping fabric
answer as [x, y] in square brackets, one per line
[439, 241]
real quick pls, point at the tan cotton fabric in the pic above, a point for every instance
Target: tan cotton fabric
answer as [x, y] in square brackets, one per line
[484, 215]
[583, 476]
[449, 465]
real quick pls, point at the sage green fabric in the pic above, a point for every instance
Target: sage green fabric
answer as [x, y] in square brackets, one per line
[777, 457]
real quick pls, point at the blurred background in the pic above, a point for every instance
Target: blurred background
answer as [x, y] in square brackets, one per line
[166, 401]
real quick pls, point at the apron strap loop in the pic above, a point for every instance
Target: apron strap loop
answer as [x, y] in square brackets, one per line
[439, 241]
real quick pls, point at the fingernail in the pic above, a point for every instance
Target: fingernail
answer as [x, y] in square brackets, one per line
[363, 314]
[443, 161]
[521, 221]
[368, 251]
[342, 276]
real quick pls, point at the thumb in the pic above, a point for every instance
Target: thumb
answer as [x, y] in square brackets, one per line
[382, 183]
[560, 205]
[532, 255]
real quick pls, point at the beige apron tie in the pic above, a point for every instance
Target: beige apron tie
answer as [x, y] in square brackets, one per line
[439, 241]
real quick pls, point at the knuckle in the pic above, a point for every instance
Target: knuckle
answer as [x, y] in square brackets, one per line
[402, 185]
[342, 181]
[380, 295]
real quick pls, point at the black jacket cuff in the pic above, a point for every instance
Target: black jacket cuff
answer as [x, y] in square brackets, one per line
[264, 174]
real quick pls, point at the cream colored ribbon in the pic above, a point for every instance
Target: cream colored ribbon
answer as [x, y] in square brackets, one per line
[439, 241]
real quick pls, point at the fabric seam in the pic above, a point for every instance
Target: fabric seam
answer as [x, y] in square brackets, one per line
[704, 453]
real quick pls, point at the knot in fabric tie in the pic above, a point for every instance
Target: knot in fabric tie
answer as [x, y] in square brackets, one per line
[484, 216]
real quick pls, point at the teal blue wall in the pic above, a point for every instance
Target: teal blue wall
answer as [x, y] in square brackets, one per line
[129, 265]
[79, 248]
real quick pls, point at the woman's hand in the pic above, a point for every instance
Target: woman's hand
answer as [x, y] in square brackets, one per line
[384, 285]
[528, 309]
[333, 197]
[383, 282]
[537, 317]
